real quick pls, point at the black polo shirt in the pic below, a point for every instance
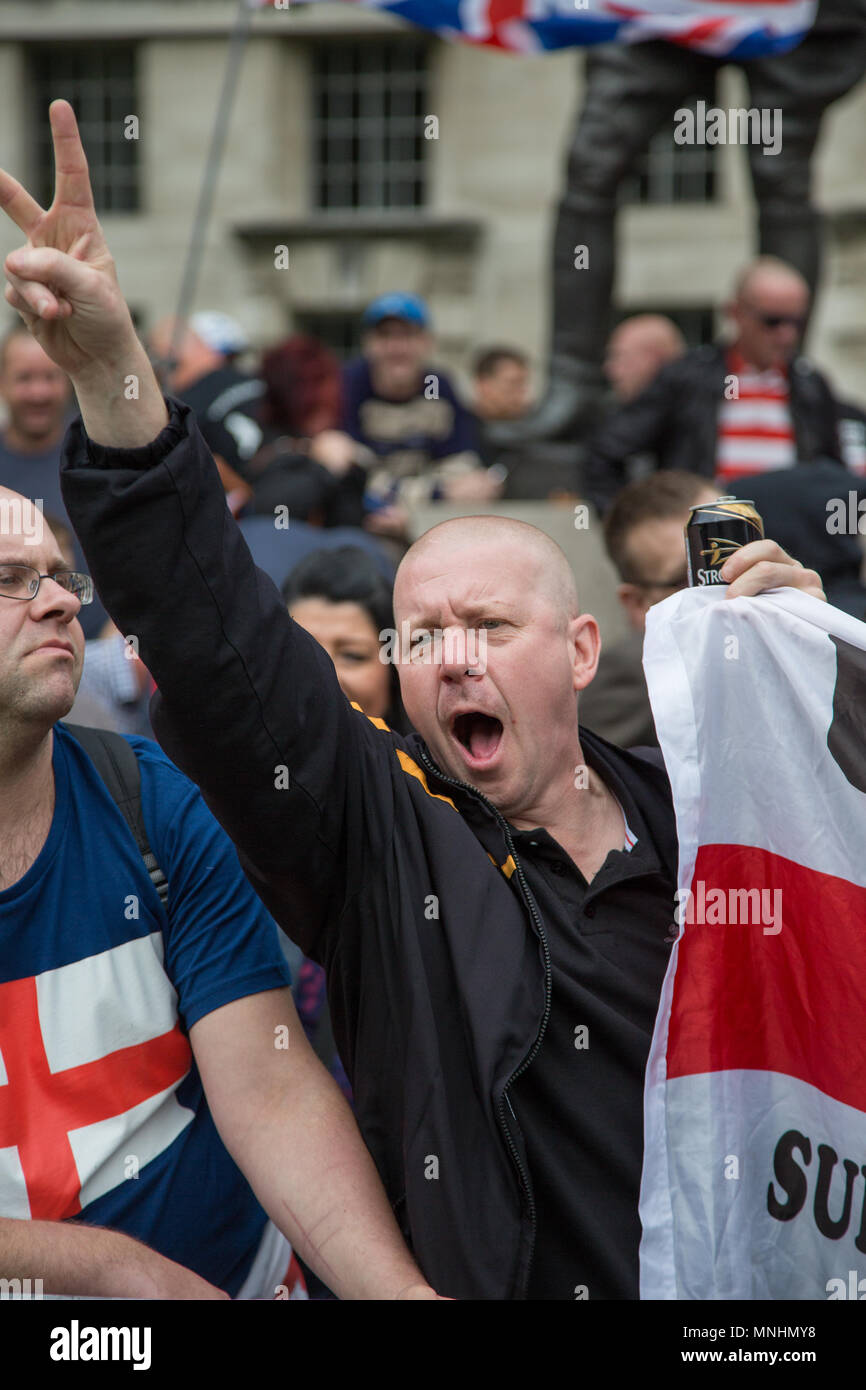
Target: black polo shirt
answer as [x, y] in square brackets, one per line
[580, 1103]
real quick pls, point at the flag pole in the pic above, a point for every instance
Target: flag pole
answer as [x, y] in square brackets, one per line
[234, 60]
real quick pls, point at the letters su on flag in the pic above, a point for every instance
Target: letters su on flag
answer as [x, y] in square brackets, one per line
[754, 1180]
[731, 28]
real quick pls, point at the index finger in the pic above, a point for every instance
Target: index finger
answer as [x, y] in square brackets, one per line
[17, 203]
[71, 175]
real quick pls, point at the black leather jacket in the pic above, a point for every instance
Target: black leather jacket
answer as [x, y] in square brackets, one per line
[676, 420]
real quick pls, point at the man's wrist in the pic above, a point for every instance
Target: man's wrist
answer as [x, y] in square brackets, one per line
[120, 401]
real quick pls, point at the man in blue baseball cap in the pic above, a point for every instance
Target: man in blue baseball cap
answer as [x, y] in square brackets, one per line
[402, 420]
[405, 308]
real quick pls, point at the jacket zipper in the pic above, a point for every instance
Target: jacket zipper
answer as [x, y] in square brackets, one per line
[548, 980]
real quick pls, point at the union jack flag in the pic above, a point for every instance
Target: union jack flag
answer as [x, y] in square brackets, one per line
[723, 28]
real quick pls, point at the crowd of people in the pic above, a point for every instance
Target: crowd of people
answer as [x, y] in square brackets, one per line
[386, 813]
[317, 454]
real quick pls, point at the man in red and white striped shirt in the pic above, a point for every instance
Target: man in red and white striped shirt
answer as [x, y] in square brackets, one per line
[755, 431]
[727, 410]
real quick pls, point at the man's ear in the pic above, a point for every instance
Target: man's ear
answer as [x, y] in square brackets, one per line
[585, 640]
[634, 600]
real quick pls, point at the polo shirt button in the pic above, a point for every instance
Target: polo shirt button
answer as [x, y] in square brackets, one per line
[589, 911]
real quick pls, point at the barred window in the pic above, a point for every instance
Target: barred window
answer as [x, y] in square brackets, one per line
[99, 82]
[369, 104]
[670, 173]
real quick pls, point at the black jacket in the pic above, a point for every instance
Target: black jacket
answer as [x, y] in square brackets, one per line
[375, 864]
[676, 420]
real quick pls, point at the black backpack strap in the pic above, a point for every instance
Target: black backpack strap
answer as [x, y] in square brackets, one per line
[117, 765]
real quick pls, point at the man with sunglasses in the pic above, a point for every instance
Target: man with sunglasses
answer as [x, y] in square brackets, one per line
[729, 410]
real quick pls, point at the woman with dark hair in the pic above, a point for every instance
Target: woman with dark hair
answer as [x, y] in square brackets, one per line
[342, 598]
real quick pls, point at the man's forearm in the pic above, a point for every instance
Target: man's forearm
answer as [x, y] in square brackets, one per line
[120, 401]
[312, 1173]
[90, 1261]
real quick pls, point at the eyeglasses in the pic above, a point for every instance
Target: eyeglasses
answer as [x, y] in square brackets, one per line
[22, 582]
[680, 582]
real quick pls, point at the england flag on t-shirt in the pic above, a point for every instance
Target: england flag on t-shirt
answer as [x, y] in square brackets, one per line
[754, 1183]
[87, 1094]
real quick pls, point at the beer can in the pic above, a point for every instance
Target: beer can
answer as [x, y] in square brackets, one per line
[714, 531]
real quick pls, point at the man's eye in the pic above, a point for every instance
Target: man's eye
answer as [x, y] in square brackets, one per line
[490, 622]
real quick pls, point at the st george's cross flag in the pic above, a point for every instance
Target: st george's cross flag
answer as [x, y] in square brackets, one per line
[754, 1181]
[725, 28]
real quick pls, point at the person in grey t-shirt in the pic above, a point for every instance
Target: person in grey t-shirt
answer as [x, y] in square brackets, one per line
[38, 406]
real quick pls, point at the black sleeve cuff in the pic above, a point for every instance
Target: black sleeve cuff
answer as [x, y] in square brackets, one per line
[143, 456]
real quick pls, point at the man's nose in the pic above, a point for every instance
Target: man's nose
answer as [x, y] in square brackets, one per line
[53, 598]
[460, 651]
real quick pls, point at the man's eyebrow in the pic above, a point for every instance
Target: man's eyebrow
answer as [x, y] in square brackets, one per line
[58, 563]
[472, 607]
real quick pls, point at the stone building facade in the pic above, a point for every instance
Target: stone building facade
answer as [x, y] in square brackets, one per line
[362, 155]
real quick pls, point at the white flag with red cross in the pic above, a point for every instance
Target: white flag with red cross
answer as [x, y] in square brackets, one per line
[754, 1181]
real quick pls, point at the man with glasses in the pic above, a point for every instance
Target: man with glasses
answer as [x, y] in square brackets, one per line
[643, 533]
[159, 1099]
[729, 410]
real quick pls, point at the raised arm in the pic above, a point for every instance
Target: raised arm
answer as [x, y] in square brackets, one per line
[249, 705]
[64, 285]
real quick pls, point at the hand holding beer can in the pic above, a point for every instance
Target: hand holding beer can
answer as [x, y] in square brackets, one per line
[714, 531]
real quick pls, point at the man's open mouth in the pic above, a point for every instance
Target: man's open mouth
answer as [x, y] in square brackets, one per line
[479, 734]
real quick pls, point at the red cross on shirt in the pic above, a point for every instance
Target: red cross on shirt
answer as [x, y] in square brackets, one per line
[39, 1107]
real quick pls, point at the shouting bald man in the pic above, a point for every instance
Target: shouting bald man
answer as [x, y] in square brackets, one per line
[492, 897]
[728, 410]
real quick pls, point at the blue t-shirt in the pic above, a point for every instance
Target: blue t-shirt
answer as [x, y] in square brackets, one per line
[102, 1114]
[432, 424]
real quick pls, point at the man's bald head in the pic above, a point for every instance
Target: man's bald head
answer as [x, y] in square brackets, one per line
[638, 349]
[770, 308]
[768, 273]
[547, 568]
[21, 523]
